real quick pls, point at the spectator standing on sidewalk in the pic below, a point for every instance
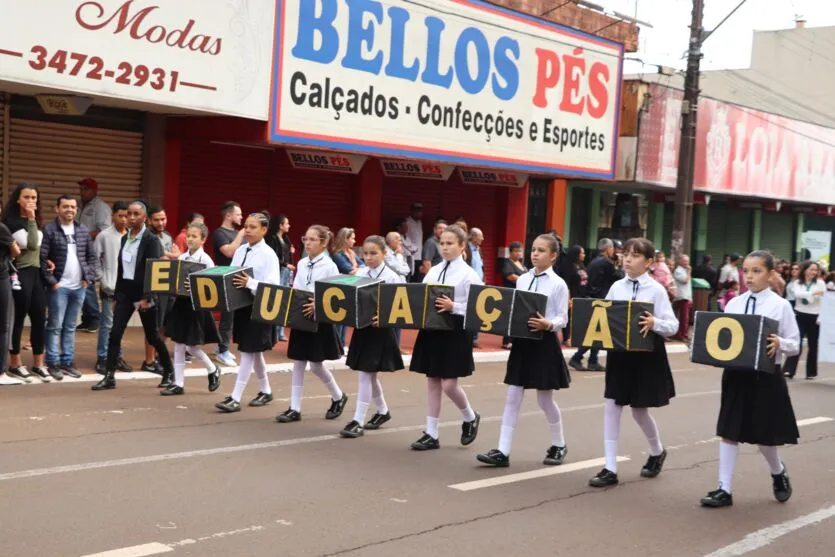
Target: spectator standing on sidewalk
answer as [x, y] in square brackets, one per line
[476, 261]
[413, 238]
[8, 251]
[95, 215]
[277, 238]
[683, 303]
[226, 240]
[180, 240]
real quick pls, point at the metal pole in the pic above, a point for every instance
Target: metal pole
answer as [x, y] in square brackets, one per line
[683, 222]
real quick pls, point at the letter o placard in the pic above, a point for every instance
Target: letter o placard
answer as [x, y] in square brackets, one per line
[712, 333]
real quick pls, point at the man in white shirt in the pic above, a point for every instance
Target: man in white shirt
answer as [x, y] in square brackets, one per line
[395, 257]
[729, 273]
[414, 233]
[95, 215]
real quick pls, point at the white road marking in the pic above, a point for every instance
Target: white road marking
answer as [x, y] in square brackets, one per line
[144, 550]
[766, 536]
[813, 421]
[533, 474]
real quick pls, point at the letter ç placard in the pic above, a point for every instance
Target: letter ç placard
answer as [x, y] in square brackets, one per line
[503, 311]
[412, 306]
[168, 276]
[733, 341]
[282, 305]
[212, 289]
[610, 325]
[346, 300]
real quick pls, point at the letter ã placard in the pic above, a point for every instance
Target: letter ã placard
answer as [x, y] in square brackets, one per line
[282, 305]
[346, 300]
[503, 311]
[733, 341]
[610, 325]
[168, 276]
[412, 306]
[212, 289]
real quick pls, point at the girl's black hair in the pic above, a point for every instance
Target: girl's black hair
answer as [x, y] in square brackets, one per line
[765, 255]
[574, 254]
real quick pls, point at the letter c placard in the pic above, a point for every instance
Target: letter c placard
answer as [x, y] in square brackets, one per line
[733, 350]
[488, 317]
[328, 306]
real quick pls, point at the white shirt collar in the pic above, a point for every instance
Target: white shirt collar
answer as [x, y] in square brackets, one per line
[643, 280]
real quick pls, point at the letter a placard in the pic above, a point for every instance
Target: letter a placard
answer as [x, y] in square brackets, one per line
[733, 341]
[610, 325]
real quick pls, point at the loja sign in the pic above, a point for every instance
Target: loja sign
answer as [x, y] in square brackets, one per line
[212, 59]
[738, 150]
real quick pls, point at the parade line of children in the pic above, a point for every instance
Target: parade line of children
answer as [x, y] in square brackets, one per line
[755, 407]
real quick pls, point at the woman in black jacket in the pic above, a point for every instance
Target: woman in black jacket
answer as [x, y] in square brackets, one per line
[575, 276]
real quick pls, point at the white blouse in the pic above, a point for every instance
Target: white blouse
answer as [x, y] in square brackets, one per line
[767, 303]
[198, 256]
[810, 294]
[647, 289]
[262, 259]
[548, 283]
[383, 273]
[454, 273]
[308, 272]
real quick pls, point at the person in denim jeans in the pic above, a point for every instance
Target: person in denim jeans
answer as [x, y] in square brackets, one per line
[279, 241]
[67, 244]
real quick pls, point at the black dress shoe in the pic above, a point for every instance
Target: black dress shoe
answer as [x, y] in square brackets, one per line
[261, 399]
[494, 457]
[718, 498]
[229, 405]
[122, 365]
[107, 383]
[654, 465]
[288, 416]
[782, 485]
[595, 367]
[377, 420]
[173, 390]
[352, 430]
[70, 370]
[604, 478]
[167, 381]
[214, 380]
[577, 365]
[555, 456]
[426, 443]
[337, 406]
[469, 430]
[101, 366]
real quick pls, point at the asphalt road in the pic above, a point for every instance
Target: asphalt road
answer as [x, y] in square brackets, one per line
[129, 473]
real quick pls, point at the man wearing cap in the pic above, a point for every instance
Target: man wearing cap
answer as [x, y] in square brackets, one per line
[95, 216]
[413, 237]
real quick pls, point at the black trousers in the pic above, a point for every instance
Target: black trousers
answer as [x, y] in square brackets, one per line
[809, 328]
[122, 312]
[227, 319]
[29, 300]
[5, 320]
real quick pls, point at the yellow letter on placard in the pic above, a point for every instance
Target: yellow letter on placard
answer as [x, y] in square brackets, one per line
[270, 312]
[160, 276]
[598, 328]
[712, 339]
[400, 308]
[207, 293]
[328, 306]
[487, 317]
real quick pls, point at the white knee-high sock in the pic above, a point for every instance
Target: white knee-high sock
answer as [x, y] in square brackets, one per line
[365, 386]
[546, 402]
[324, 374]
[728, 452]
[650, 429]
[201, 355]
[611, 433]
[773, 458]
[260, 366]
[244, 371]
[297, 386]
[457, 395]
[377, 395]
[180, 365]
[512, 405]
[434, 390]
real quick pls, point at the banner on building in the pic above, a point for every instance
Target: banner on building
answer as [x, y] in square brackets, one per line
[393, 168]
[485, 177]
[342, 163]
[461, 82]
[817, 245]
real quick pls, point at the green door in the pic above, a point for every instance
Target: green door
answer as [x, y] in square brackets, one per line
[777, 234]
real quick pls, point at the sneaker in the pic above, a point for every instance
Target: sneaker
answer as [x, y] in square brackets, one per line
[782, 485]
[101, 366]
[261, 399]
[352, 430]
[189, 358]
[377, 420]
[469, 430]
[288, 416]
[122, 365]
[214, 380]
[225, 359]
[70, 370]
[173, 390]
[56, 372]
[15, 282]
[229, 405]
[604, 478]
[42, 374]
[337, 406]
[151, 367]
[595, 367]
[654, 465]
[494, 457]
[576, 364]
[555, 456]
[426, 443]
[717, 498]
[19, 373]
[6, 380]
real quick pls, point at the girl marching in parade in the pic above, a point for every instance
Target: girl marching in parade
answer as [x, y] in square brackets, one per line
[642, 380]
[756, 407]
[373, 349]
[253, 338]
[446, 356]
[312, 347]
[190, 329]
[537, 364]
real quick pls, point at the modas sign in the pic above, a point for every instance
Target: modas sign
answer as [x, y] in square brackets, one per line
[169, 276]
[282, 306]
[503, 311]
[412, 306]
[733, 341]
[213, 289]
[610, 325]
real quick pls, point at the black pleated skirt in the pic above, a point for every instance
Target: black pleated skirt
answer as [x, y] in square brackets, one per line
[183, 325]
[640, 379]
[322, 345]
[165, 304]
[374, 349]
[249, 335]
[537, 364]
[757, 409]
[444, 354]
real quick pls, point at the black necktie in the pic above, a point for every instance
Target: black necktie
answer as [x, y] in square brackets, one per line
[635, 285]
[443, 273]
[535, 283]
[752, 303]
[310, 265]
[245, 256]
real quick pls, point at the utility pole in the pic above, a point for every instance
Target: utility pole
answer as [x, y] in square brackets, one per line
[683, 221]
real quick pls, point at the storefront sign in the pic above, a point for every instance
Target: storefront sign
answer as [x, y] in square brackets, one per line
[818, 244]
[485, 177]
[321, 160]
[211, 57]
[739, 151]
[414, 169]
[462, 81]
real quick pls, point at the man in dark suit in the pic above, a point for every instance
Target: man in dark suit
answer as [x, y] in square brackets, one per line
[138, 245]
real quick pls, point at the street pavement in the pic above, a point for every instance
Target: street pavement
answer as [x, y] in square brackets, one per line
[130, 473]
